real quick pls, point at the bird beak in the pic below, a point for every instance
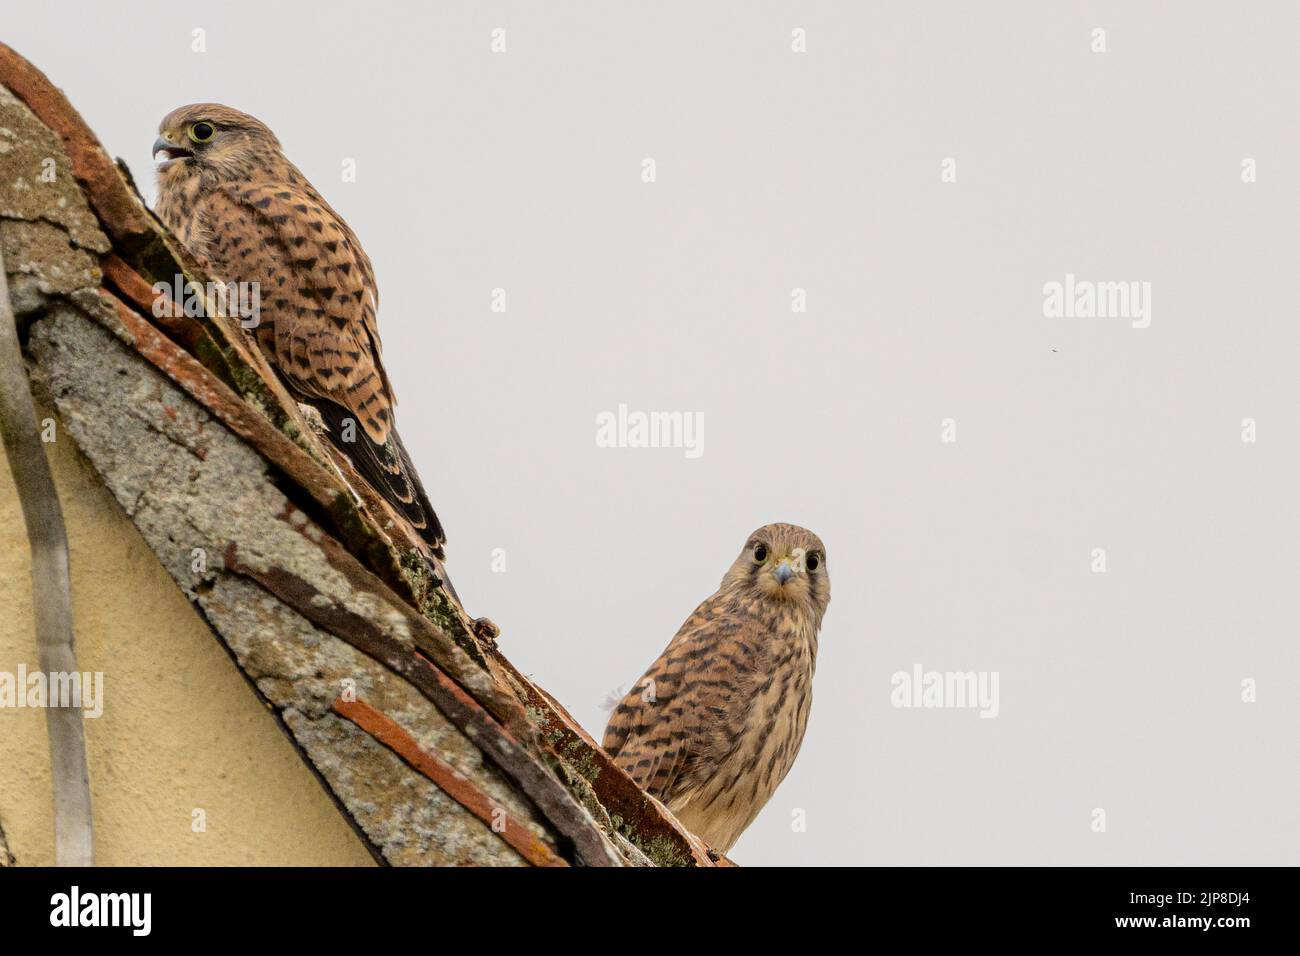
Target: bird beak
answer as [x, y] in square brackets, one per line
[784, 572]
[170, 151]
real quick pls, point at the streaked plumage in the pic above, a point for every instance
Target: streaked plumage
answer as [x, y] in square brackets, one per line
[715, 724]
[247, 214]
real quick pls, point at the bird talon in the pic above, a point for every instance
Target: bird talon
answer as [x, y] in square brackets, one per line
[312, 417]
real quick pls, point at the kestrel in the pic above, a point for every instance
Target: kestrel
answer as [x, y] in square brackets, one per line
[716, 722]
[247, 214]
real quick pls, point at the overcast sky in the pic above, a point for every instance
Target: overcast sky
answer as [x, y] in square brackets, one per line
[922, 174]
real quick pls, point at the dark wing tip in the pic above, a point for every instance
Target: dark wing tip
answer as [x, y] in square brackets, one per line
[389, 470]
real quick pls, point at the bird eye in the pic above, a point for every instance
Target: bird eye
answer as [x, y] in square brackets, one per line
[760, 553]
[202, 132]
[813, 561]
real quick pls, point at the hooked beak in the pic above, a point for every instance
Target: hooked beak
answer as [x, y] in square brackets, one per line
[169, 151]
[784, 572]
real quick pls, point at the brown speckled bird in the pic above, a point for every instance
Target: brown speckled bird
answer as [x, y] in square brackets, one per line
[716, 722]
[247, 214]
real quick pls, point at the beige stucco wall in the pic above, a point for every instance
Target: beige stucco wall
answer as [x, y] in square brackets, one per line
[181, 729]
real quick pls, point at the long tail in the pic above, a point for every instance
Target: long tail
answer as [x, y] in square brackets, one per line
[390, 472]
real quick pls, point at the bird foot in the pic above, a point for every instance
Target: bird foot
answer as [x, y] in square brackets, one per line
[317, 425]
[313, 418]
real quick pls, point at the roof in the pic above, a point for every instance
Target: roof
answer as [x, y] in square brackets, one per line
[433, 746]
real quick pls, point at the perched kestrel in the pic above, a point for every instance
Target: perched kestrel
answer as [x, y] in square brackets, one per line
[247, 214]
[716, 722]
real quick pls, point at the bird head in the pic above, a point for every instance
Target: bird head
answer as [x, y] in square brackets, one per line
[211, 141]
[784, 562]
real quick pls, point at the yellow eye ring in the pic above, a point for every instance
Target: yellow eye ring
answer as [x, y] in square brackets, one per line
[760, 553]
[202, 132]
